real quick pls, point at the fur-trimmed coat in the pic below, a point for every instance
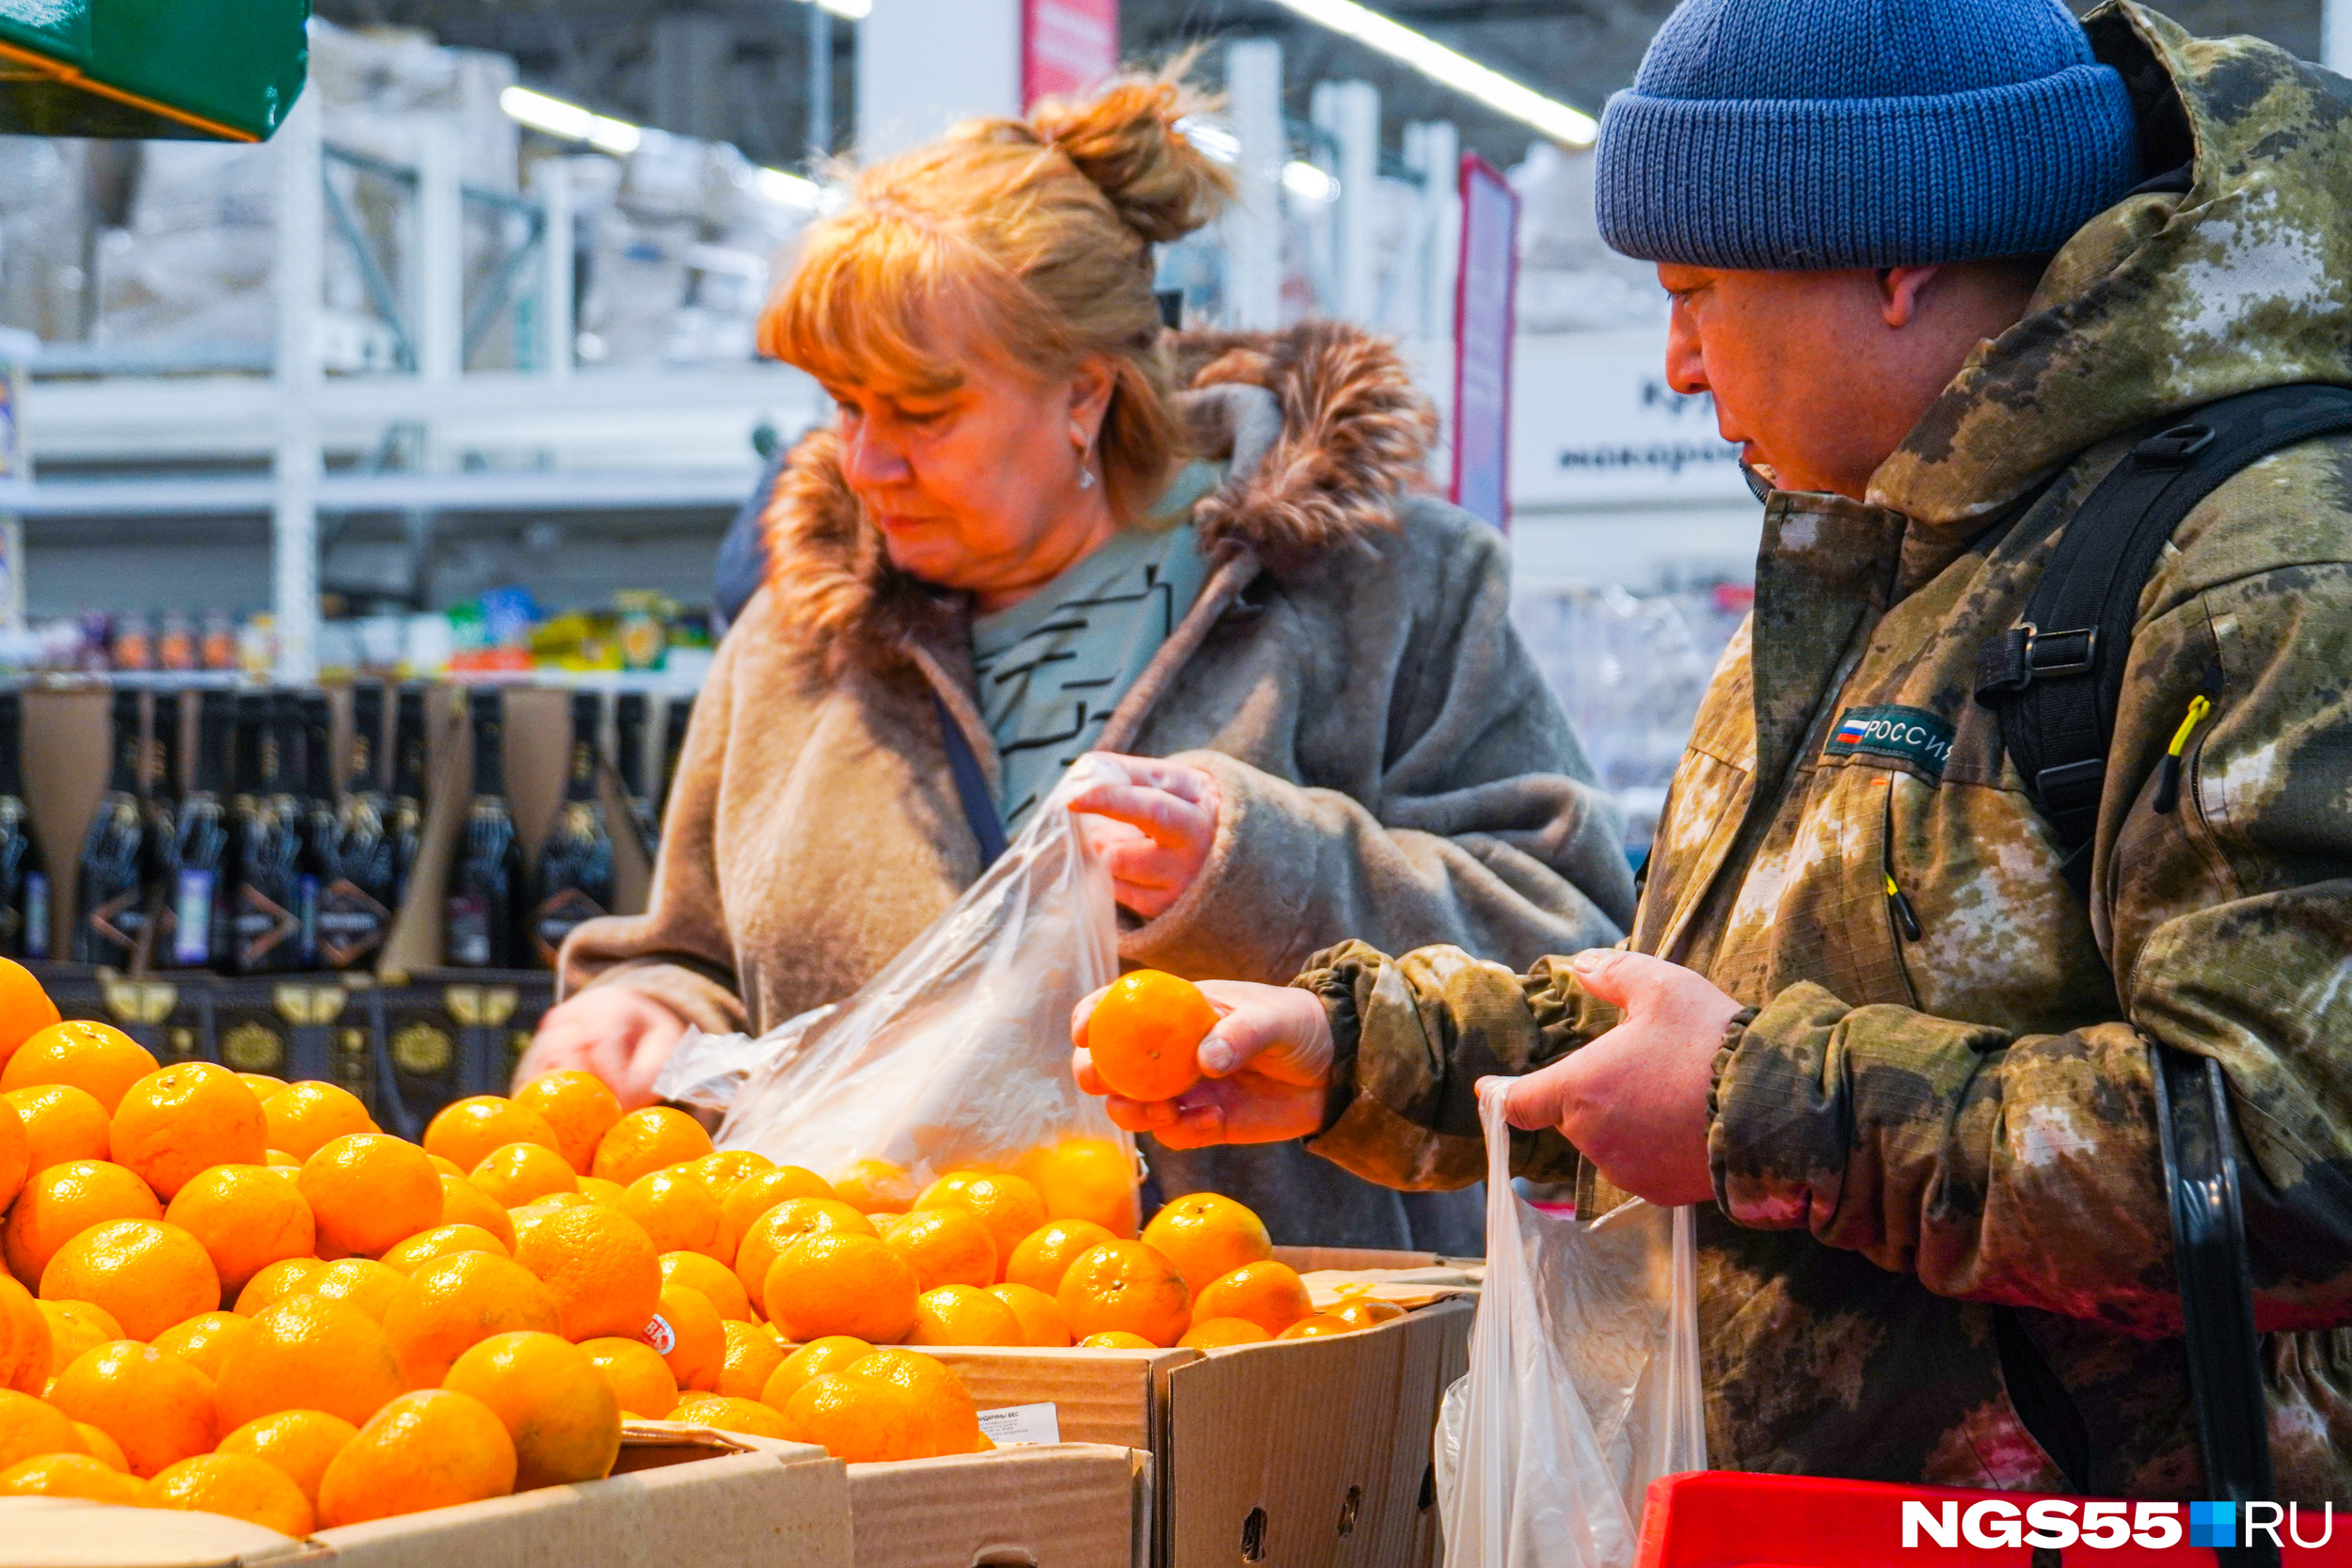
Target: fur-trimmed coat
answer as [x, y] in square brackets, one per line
[1392, 765]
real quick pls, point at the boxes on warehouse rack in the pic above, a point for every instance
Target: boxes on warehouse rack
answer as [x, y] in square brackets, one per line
[679, 1495]
[1285, 1452]
[1073, 1505]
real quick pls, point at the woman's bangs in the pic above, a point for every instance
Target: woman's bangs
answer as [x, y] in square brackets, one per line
[859, 309]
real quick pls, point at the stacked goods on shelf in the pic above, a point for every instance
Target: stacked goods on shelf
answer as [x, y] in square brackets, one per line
[227, 902]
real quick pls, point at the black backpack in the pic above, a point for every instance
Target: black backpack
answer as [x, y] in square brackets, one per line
[2055, 678]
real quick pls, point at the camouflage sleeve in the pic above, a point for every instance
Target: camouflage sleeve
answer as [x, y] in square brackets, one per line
[1414, 1035]
[2027, 1169]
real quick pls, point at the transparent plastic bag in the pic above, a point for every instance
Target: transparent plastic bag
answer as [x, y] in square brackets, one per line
[956, 1053]
[1583, 1383]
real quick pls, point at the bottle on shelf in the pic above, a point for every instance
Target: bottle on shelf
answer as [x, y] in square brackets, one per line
[681, 712]
[202, 915]
[23, 872]
[109, 882]
[267, 922]
[403, 817]
[160, 801]
[355, 910]
[314, 728]
[484, 880]
[575, 880]
[628, 726]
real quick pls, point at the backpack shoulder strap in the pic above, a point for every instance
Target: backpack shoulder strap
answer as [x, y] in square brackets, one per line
[2056, 677]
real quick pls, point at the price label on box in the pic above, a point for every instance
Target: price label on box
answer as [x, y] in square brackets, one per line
[1021, 1425]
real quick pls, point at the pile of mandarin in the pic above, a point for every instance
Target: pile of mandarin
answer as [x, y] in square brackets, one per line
[236, 1294]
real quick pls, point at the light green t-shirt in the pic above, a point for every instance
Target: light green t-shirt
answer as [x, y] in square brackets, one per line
[1052, 667]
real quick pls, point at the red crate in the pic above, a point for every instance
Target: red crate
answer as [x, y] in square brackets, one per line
[1732, 1519]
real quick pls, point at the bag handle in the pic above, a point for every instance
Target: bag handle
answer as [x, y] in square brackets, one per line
[2217, 1293]
[979, 805]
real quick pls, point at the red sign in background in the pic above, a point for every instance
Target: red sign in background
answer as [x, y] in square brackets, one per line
[1067, 46]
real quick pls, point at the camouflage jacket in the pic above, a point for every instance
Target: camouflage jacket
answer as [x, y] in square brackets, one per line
[1920, 1136]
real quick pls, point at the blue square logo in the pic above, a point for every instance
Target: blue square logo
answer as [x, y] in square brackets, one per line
[2213, 1524]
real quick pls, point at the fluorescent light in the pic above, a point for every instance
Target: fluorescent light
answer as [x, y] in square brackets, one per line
[570, 121]
[1465, 75]
[856, 10]
[789, 189]
[1304, 181]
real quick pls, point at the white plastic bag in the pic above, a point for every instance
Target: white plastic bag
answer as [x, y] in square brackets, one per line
[1584, 1382]
[956, 1053]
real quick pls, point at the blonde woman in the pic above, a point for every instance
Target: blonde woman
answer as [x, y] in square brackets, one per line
[1041, 525]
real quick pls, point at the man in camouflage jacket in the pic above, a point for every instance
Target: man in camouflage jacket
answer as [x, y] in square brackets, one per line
[1929, 1125]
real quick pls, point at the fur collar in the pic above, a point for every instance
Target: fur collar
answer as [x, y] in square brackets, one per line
[1322, 422]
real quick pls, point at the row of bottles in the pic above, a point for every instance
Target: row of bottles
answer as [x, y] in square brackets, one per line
[264, 866]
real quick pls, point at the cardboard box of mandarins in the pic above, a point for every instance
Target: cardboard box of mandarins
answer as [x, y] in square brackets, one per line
[679, 1494]
[1283, 1452]
[1071, 1505]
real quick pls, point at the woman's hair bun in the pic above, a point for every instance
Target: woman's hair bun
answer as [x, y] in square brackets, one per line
[1125, 141]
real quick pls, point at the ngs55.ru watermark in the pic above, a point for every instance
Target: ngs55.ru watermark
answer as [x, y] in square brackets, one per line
[2060, 1522]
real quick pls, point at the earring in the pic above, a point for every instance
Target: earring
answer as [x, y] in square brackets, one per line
[1086, 477]
[1086, 458]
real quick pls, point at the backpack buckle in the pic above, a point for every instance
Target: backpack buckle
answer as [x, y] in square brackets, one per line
[2171, 448]
[2024, 654]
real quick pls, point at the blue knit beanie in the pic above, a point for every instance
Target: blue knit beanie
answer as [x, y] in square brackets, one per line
[1799, 135]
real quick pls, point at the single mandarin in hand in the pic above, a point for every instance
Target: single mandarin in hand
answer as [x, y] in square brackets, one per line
[186, 1119]
[25, 1007]
[1045, 1254]
[646, 1141]
[154, 1404]
[790, 1221]
[601, 1268]
[1040, 1318]
[1125, 1287]
[837, 1283]
[245, 1219]
[1086, 1178]
[61, 1123]
[301, 1443]
[835, 1353]
[454, 1304]
[146, 1274]
[1145, 1035]
[558, 1407]
[433, 1449]
[1269, 1294]
[760, 1192]
[68, 1475]
[579, 1106]
[641, 1380]
[466, 1132]
[368, 1190]
[235, 1485]
[713, 1279]
[309, 1354]
[1007, 1205]
[96, 1057]
[751, 1359]
[964, 1315]
[305, 1118]
[945, 1246]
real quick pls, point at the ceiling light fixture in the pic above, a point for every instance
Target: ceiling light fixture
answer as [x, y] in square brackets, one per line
[1463, 74]
[1304, 181]
[570, 122]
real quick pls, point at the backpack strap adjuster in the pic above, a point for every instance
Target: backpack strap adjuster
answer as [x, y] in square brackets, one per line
[2024, 654]
[2171, 448]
